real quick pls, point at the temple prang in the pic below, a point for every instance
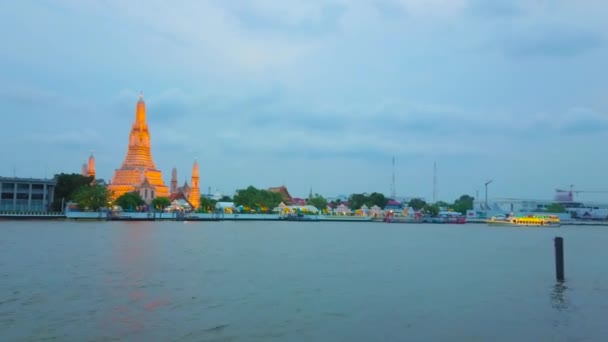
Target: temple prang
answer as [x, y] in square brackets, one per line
[138, 171]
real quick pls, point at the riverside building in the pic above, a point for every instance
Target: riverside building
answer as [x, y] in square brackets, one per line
[26, 194]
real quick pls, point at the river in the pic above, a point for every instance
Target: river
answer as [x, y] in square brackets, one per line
[298, 281]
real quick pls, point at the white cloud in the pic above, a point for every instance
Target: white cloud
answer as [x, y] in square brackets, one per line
[274, 82]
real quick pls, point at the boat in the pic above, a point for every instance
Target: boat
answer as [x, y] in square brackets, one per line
[450, 217]
[419, 217]
[525, 220]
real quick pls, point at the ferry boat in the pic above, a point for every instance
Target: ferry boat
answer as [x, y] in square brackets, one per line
[526, 221]
[450, 217]
[442, 217]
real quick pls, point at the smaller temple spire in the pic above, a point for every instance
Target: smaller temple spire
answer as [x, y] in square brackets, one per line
[195, 191]
[91, 166]
[173, 180]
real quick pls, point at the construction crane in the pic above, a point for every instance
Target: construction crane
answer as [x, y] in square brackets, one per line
[568, 195]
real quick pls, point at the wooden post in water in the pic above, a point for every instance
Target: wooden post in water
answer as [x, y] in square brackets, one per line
[559, 258]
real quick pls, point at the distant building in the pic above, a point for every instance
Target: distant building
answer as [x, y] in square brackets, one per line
[282, 190]
[188, 193]
[393, 205]
[298, 201]
[88, 168]
[26, 194]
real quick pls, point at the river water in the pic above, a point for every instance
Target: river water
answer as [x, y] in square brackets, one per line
[298, 281]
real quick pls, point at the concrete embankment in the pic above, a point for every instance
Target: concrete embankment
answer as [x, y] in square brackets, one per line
[137, 216]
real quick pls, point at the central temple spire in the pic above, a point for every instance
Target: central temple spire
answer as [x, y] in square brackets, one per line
[140, 111]
[138, 161]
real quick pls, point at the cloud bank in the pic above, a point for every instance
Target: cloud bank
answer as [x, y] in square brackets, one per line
[319, 93]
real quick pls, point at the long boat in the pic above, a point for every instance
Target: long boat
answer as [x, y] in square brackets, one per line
[525, 221]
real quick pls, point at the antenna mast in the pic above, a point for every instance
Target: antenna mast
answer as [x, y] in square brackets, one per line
[393, 186]
[434, 182]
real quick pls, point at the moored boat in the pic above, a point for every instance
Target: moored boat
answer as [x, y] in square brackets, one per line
[525, 221]
[450, 217]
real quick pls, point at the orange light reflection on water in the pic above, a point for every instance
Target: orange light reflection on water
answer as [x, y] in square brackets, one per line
[131, 273]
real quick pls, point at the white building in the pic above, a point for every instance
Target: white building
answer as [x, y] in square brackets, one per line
[26, 194]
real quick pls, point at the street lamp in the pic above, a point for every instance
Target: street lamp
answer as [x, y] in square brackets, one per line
[486, 184]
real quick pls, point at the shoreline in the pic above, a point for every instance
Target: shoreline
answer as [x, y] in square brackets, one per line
[206, 217]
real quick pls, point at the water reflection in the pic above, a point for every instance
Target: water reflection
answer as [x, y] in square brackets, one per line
[130, 274]
[559, 300]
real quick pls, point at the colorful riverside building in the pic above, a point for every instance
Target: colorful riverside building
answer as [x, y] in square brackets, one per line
[138, 172]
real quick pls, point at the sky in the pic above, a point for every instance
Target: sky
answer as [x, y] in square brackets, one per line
[314, 94]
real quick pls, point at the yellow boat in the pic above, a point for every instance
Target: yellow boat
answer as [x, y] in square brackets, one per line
[526, 221]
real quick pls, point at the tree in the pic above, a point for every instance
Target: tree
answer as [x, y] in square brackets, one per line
[129, 201]
[92, 197]
[207, 204]
[442, 204]
[160, 203]
[67, 186]
[555, 208]
[431, 209]
[256, 199]
[317, 201]
[417, 203]
[356, 201]
[225, 199]
[464, 203]
[335, 202]
[376, 198]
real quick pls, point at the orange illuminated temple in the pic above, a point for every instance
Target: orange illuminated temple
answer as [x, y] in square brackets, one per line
[138, 172]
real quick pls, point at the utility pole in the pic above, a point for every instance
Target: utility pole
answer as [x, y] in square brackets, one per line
[434, 182]
[393, 186]
[486, 184]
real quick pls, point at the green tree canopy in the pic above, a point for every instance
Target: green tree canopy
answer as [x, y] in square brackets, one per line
[431, 209]
[317, 201]
[417, 203]
[356, 201]
[92, 197]
[256, 198]
[555, 208]
[67, 186]
[160, 203]
[464, 203]
[225, 199]
[207, 204]
[129, 201]
[442, 204]
[335, 202]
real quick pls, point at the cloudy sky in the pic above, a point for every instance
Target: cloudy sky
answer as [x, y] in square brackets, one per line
[314, 93]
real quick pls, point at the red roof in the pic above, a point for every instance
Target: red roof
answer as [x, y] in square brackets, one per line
[299, 201]
[287, 199]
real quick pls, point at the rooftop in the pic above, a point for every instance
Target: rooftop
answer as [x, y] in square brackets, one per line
[28, 180]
